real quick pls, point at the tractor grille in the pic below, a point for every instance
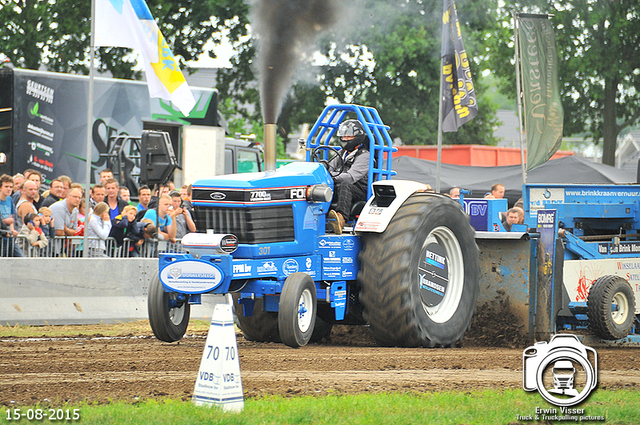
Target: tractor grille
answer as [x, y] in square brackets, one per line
[253, 225]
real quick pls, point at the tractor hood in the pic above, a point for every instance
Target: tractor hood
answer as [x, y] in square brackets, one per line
[269, 185]
[293, 174]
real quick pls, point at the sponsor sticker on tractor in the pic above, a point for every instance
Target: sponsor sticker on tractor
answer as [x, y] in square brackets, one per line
[192, 276]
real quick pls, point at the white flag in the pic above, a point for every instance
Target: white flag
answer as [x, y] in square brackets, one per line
[128, 23]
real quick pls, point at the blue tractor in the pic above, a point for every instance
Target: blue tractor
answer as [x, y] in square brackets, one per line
[406, 265]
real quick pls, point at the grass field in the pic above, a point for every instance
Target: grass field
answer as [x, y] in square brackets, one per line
[487, 407]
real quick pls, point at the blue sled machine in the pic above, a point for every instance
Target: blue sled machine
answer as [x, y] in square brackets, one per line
[406, 263]
[587, 258]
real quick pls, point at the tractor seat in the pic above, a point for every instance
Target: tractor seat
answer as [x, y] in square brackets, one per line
[356, 209]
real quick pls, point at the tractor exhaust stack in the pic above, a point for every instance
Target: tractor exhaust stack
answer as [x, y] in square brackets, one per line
[269, 147]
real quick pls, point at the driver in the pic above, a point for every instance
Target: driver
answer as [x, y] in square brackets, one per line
[350, 186]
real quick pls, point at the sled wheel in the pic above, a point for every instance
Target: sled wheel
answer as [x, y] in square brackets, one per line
[261, 326]
[297, 310]
[168, 312]
[610, 307]
[419, 278]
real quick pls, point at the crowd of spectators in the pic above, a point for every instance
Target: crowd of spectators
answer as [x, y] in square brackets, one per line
[32, 219]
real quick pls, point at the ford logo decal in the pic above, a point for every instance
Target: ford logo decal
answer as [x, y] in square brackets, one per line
[217, 196]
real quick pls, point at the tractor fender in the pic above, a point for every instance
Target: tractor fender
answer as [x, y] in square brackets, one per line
[388, 196]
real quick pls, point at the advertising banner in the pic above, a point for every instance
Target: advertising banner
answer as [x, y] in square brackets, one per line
[543, 113]
[458, 93]
[49, 120]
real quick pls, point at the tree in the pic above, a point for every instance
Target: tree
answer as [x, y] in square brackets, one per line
[599, 47]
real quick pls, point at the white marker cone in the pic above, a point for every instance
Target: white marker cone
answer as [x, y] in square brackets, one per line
[218, 382]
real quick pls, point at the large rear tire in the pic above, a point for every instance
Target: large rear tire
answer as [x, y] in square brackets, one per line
[168, 316]
[419, 279]
[297, 310]
[611, 307]
[261, 326]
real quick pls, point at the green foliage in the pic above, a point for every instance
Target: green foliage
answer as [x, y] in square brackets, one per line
[599, 47]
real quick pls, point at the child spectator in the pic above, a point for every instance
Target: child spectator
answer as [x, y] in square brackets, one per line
[31, 234]
[126, 226]
[98, 228]
[47, 222]
[81, 218]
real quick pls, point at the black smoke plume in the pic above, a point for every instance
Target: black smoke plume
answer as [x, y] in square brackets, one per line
[286, 30]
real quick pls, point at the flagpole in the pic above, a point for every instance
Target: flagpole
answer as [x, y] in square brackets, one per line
[440, 113]
[92, 54]
[519, 99]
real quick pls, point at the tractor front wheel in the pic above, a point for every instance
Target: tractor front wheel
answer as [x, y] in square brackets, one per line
[419, 278]
[168, 312]
[297, 310]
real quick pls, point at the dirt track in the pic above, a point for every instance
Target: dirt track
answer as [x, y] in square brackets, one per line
[136, 367]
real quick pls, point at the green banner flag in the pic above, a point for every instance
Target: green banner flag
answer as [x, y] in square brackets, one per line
[458, 93]
[543, 113]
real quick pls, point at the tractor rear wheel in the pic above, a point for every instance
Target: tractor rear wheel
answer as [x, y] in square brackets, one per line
[297, 310]
[611, 307]
[261, 326]
[168, 312]
[419, 279]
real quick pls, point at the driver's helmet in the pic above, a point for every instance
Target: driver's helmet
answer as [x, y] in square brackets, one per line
[351, 128]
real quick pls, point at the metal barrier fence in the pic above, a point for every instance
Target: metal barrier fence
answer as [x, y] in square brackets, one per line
[73, 247]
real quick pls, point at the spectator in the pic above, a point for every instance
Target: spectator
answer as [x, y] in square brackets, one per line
[66, 184]
[65, 213]
[7, 219]
[82, 214]
[98, 229]
[47, 222]
[7, 208]
[26, 202]
[126, 226]
[36, 177]
[18, 193]
[497, 192]
[97, 194]
[116, 204]
[31, 234]
[184, 222]
[521, 212]
[18, 179]
[454, 193]
[150, 230]
[56, 189]
[125, 195]
[165, 224]
[185, 193]
[105, 174]
[162, 189]
[144, 196]
[512, 217]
